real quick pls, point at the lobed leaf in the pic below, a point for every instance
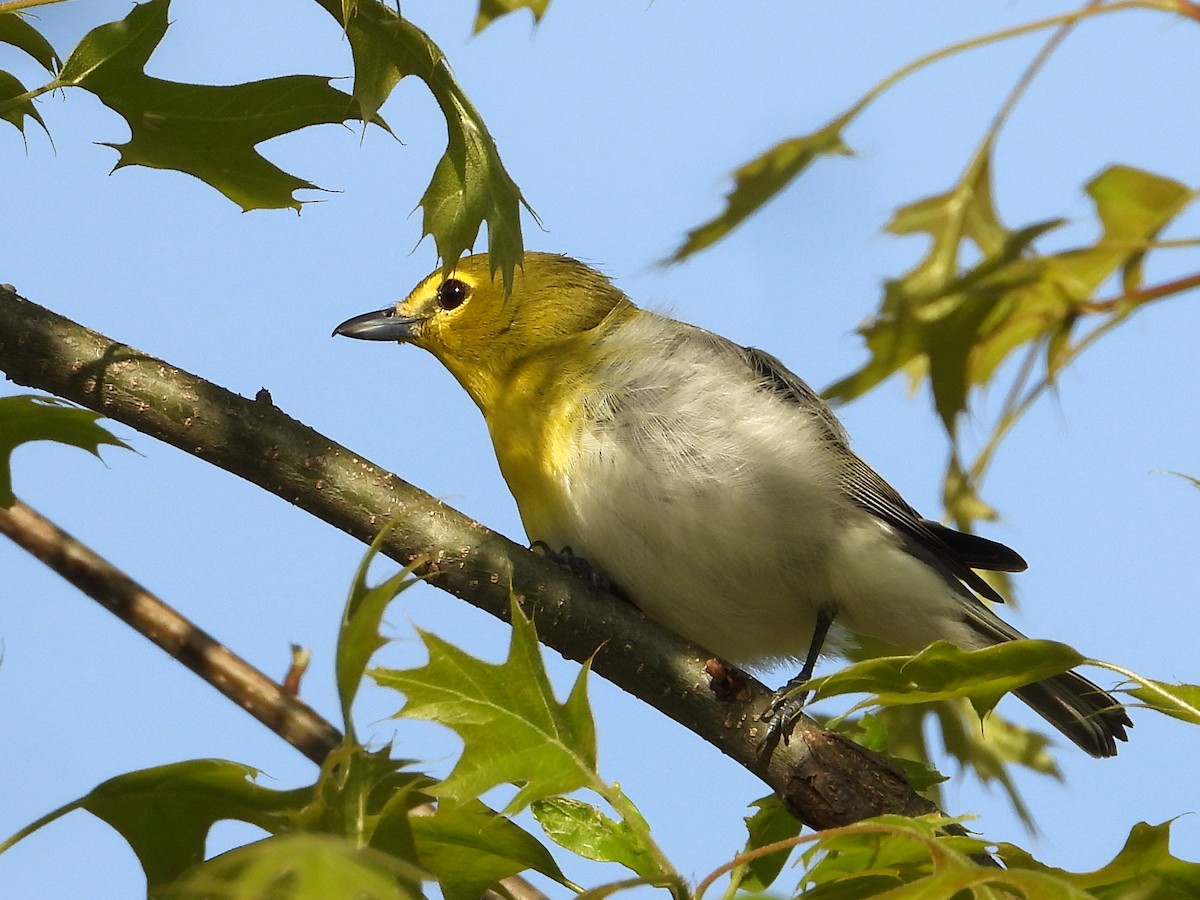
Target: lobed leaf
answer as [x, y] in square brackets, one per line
[25, 418]
[469, 848]
[942, 671]
[209, 131]
[165, 813]
[759, 180]
[513, 729]
[470, 185]
[1145, 867]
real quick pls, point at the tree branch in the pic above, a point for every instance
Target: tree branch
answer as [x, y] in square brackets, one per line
[824, 779]
[286, 715]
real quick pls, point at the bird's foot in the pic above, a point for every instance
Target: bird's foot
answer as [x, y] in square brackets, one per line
[577, 564]
[781, 716]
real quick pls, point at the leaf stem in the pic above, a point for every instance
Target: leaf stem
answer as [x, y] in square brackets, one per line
[1065, 19]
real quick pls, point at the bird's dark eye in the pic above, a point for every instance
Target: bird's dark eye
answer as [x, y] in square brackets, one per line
[452, 293]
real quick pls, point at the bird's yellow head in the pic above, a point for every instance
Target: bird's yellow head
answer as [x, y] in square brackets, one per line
[482, 336]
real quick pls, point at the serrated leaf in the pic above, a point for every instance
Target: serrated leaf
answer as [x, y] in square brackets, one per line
[165, 813]
[470, 185]
[513, 729]
[25, 418]
[942, 671]
[1180, 701]
[491, 10]
[300, 867]
[469, 849]
[1145, 867]
[759, 180]
[358, 636]
[769, 824]
[586, 831]
[209, 131]
[15, 31]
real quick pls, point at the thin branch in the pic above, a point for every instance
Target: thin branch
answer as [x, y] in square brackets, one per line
[1142, 295]
[825, 779]
[289, 717]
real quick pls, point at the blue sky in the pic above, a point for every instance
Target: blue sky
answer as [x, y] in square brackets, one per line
[620, 122]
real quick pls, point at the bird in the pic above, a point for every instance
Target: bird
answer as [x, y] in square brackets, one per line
[706, 481]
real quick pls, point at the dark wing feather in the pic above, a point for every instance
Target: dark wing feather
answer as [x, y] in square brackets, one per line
[960, 553]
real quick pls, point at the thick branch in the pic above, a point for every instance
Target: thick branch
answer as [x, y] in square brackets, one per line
[825, 779]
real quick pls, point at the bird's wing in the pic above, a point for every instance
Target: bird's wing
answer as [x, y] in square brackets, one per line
[960, 553]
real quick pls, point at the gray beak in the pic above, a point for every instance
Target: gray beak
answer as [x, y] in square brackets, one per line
[383, 325]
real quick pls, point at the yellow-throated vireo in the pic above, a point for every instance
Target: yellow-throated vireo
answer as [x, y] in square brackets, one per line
[706, 481]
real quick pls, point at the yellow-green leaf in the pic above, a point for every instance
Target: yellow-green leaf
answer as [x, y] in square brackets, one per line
[513, 729]
[491, 10]
[1145, 867]
[586, 831]
[301, 867]
[1181, 701]
[759, 180]
[942, 671]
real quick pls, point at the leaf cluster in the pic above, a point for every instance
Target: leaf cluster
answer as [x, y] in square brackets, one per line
[212, 132]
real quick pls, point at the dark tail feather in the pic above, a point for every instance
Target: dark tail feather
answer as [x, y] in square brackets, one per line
[1081, 710]
[1086, 713]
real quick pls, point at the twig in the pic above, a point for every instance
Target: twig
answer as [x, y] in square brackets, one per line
[286, 715]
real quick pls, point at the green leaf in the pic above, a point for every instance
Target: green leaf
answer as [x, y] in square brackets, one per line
[942, 671]
[586, 831]
[358, 636]
[769, 824]
[759, 180]
[884, 854]
[991, 752]
[208, 131]
[355, 788]
[491, 10]
[300, 867]
[16, 112]
[1133, 206]
[25, 418]
[165, 813]
[1145, 867]
[470, 184]
[14, 30]
[1181, 701]
[470, 848]
[513, 729]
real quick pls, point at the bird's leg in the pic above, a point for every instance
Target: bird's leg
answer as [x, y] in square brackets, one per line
[580, 566]
[785, 708]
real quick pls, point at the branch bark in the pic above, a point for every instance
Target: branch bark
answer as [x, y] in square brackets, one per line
[824, 779]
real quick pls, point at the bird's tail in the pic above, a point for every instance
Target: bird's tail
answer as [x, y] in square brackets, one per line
[1084, 712]
[1087, 714]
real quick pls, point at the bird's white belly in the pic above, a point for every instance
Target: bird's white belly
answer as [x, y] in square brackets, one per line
[741, 561]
